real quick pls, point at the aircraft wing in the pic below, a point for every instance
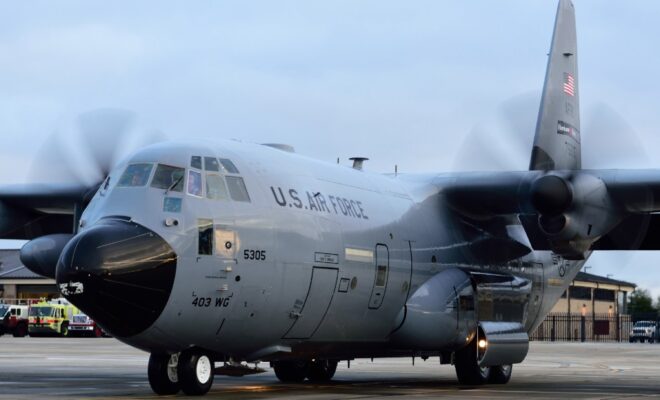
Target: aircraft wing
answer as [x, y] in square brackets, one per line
[28, 211]
[569, 212]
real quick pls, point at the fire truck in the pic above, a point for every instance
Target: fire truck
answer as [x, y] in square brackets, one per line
[83, 325]
[51, 317]
[14, 319]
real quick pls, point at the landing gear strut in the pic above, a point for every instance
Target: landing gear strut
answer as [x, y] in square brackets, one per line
[469, 372]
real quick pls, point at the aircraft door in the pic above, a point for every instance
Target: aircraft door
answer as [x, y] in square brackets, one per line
[382, 263]
[311, 312]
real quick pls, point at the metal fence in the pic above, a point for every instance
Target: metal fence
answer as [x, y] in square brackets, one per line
[589, 328]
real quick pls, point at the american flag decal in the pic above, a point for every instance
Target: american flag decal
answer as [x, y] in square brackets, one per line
[569, 84]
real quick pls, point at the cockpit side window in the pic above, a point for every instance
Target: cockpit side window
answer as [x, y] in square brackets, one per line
[229, 166]
[136, 175]
[195, 183]
[215, 187]
[237, 189]
[169, 178]
[211, 164]
[196, 162]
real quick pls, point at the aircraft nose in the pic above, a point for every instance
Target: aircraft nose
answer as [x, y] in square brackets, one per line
[119, 273]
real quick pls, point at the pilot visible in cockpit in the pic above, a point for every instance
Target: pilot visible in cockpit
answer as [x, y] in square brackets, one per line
[195, 183]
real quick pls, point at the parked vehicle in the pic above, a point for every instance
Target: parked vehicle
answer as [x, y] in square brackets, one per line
[644, 331]
[82, 325]
[52, 317]
[14, 319]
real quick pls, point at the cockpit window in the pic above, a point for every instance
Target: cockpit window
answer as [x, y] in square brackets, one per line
[169, 178]
[195, 183]
[215, 187]
[196, 162]
[229, 166]
[211, 164]
[237, 189]
[135, 175]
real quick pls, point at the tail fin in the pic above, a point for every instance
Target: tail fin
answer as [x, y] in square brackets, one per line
[557, 139]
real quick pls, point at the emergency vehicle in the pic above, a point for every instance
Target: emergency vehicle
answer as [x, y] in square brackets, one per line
[14, 319]
[51, 317]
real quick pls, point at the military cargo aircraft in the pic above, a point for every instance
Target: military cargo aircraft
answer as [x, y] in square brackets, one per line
[209, 255]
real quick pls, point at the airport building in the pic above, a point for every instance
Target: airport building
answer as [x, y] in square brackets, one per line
[18, 282]
[594, 294]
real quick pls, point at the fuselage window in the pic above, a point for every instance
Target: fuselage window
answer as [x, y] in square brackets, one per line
[205, 230]
[381, 275]
[135, 175]
[215, 187]
[211, 164]
[195, 183]
[196, 162]
[169, 178]
[237, 189]
[229, 166]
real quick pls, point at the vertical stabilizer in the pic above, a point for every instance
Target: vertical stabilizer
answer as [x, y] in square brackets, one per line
[557, 139]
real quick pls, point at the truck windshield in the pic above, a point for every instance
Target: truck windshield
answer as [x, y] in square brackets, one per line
[40, 311]
[3, 310]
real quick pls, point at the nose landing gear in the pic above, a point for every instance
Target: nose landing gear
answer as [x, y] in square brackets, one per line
[190, 371]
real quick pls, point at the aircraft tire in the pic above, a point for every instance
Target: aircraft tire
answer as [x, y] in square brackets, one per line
[322, 370]
[500, 374]
[291, 371]
[195, 372]
[468, 370]
[163, 377]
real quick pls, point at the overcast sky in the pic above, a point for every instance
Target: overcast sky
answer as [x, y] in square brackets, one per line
[427, 85]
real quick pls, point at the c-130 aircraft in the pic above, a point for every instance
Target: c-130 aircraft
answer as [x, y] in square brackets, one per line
[209, 255]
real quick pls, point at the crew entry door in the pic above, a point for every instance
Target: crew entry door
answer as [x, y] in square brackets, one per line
[319, 296]
[382, 264]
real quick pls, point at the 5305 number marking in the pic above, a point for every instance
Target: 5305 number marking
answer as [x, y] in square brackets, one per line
[257, 255]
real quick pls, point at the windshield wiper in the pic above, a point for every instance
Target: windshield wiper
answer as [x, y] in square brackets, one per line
[173, 185]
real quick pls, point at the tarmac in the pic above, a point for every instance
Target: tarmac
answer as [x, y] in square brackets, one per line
[82, 368]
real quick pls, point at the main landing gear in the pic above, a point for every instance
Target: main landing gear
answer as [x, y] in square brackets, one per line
[469, 372]
[295, 371]
[190, 371]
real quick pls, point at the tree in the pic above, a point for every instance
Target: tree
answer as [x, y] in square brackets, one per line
[640, 302]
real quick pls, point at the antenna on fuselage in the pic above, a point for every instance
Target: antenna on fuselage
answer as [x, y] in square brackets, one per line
[358, 161]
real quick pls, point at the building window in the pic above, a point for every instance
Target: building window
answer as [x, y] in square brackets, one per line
[605, 295]
[581, 293]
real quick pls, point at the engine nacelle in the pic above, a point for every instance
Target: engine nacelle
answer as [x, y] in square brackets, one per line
[501, 343]
[574, 211]
[40, 255]
[440, 314]
[448, 310]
